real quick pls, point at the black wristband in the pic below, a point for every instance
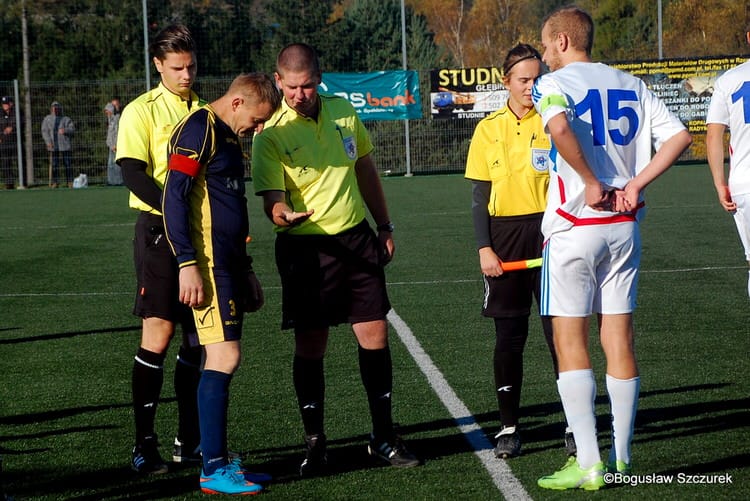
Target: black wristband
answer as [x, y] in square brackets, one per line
[386, 227]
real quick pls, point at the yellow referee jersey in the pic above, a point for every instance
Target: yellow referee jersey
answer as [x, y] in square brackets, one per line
[145, 126]
[512, 154]
[313, 162]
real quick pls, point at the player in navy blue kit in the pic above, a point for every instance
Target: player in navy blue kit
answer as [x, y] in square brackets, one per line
[206, 222]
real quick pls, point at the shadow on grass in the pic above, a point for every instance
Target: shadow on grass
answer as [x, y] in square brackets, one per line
[665, 423]
[64, 335]
[54, 433]
[111, 484]
[349, 454]
[344, 455]
[38, 417]
[718, 466]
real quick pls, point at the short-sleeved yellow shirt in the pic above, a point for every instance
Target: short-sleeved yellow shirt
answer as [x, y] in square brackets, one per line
[145, 127]
[313, 162]
[513, 154]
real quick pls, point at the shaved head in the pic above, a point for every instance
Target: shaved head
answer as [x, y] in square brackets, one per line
[297, 58]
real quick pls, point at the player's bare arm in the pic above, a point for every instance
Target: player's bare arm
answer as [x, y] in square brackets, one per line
[372, 193]
[277, 210]
[568, 146]
[715, 155]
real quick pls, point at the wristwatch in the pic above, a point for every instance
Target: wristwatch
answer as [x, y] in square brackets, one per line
[386, 227]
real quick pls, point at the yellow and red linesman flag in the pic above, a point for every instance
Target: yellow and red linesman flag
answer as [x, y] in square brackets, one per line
[524, 264]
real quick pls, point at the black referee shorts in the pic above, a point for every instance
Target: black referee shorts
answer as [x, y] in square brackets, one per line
[157, 275]
[514, 238]
[331, 279]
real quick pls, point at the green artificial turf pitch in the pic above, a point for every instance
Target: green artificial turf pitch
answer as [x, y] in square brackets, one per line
[67, 341]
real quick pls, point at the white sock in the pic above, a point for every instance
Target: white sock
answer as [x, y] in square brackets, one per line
[577, 391]
[623, 401]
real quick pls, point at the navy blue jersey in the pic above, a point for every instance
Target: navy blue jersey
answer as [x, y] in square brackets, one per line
[204, 204]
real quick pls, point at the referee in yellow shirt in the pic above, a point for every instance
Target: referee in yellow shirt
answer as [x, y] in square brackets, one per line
[312, 166]
[507, 166]
[145, 127]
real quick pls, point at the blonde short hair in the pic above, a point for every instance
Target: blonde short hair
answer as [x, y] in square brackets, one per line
[574, 22]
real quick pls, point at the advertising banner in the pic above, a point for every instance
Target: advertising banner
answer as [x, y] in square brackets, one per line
[380, 95]
[685, 85]
[466, 92]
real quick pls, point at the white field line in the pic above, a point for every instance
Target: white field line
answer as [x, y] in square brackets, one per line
[65, 226]
[502, 476]
[422, 215]
[64, 294]
[416, 282]
[470, 280]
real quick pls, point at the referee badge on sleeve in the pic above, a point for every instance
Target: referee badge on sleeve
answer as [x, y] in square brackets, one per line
[540, 159]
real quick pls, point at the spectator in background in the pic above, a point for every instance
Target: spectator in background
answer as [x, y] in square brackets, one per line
[57, 131]
[114, 174]
[8, 148]
[729, 110]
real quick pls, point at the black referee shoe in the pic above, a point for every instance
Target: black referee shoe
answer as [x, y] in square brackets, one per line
[393, 452]
[508, 443]
[316, 457]
[146, 459]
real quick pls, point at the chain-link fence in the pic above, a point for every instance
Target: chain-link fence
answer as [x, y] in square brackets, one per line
[436, 146]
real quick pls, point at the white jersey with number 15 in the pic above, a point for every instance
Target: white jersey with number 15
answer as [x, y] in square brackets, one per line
[617, 120]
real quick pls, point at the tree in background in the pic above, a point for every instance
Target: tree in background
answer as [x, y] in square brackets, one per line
[373, 40]
[86, 40]
[488, 42]
[624, 29]
[10, 41]
[447, 19]
[313, 23]
[477, 33]
[705, 27]
[226, 33]
[103, 39]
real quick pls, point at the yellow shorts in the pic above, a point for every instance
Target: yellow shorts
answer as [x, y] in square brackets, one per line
[220, 317]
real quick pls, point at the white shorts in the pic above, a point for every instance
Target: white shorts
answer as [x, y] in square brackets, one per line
[591, 269]
[742, 220]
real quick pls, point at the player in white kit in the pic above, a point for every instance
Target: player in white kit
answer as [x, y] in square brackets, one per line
[730, 107]
[603, 123]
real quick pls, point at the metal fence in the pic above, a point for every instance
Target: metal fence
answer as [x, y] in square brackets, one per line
[436, 146]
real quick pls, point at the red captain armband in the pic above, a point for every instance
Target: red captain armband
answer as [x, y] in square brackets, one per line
[184, 164]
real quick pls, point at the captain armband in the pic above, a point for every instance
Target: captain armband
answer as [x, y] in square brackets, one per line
[552, 100]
